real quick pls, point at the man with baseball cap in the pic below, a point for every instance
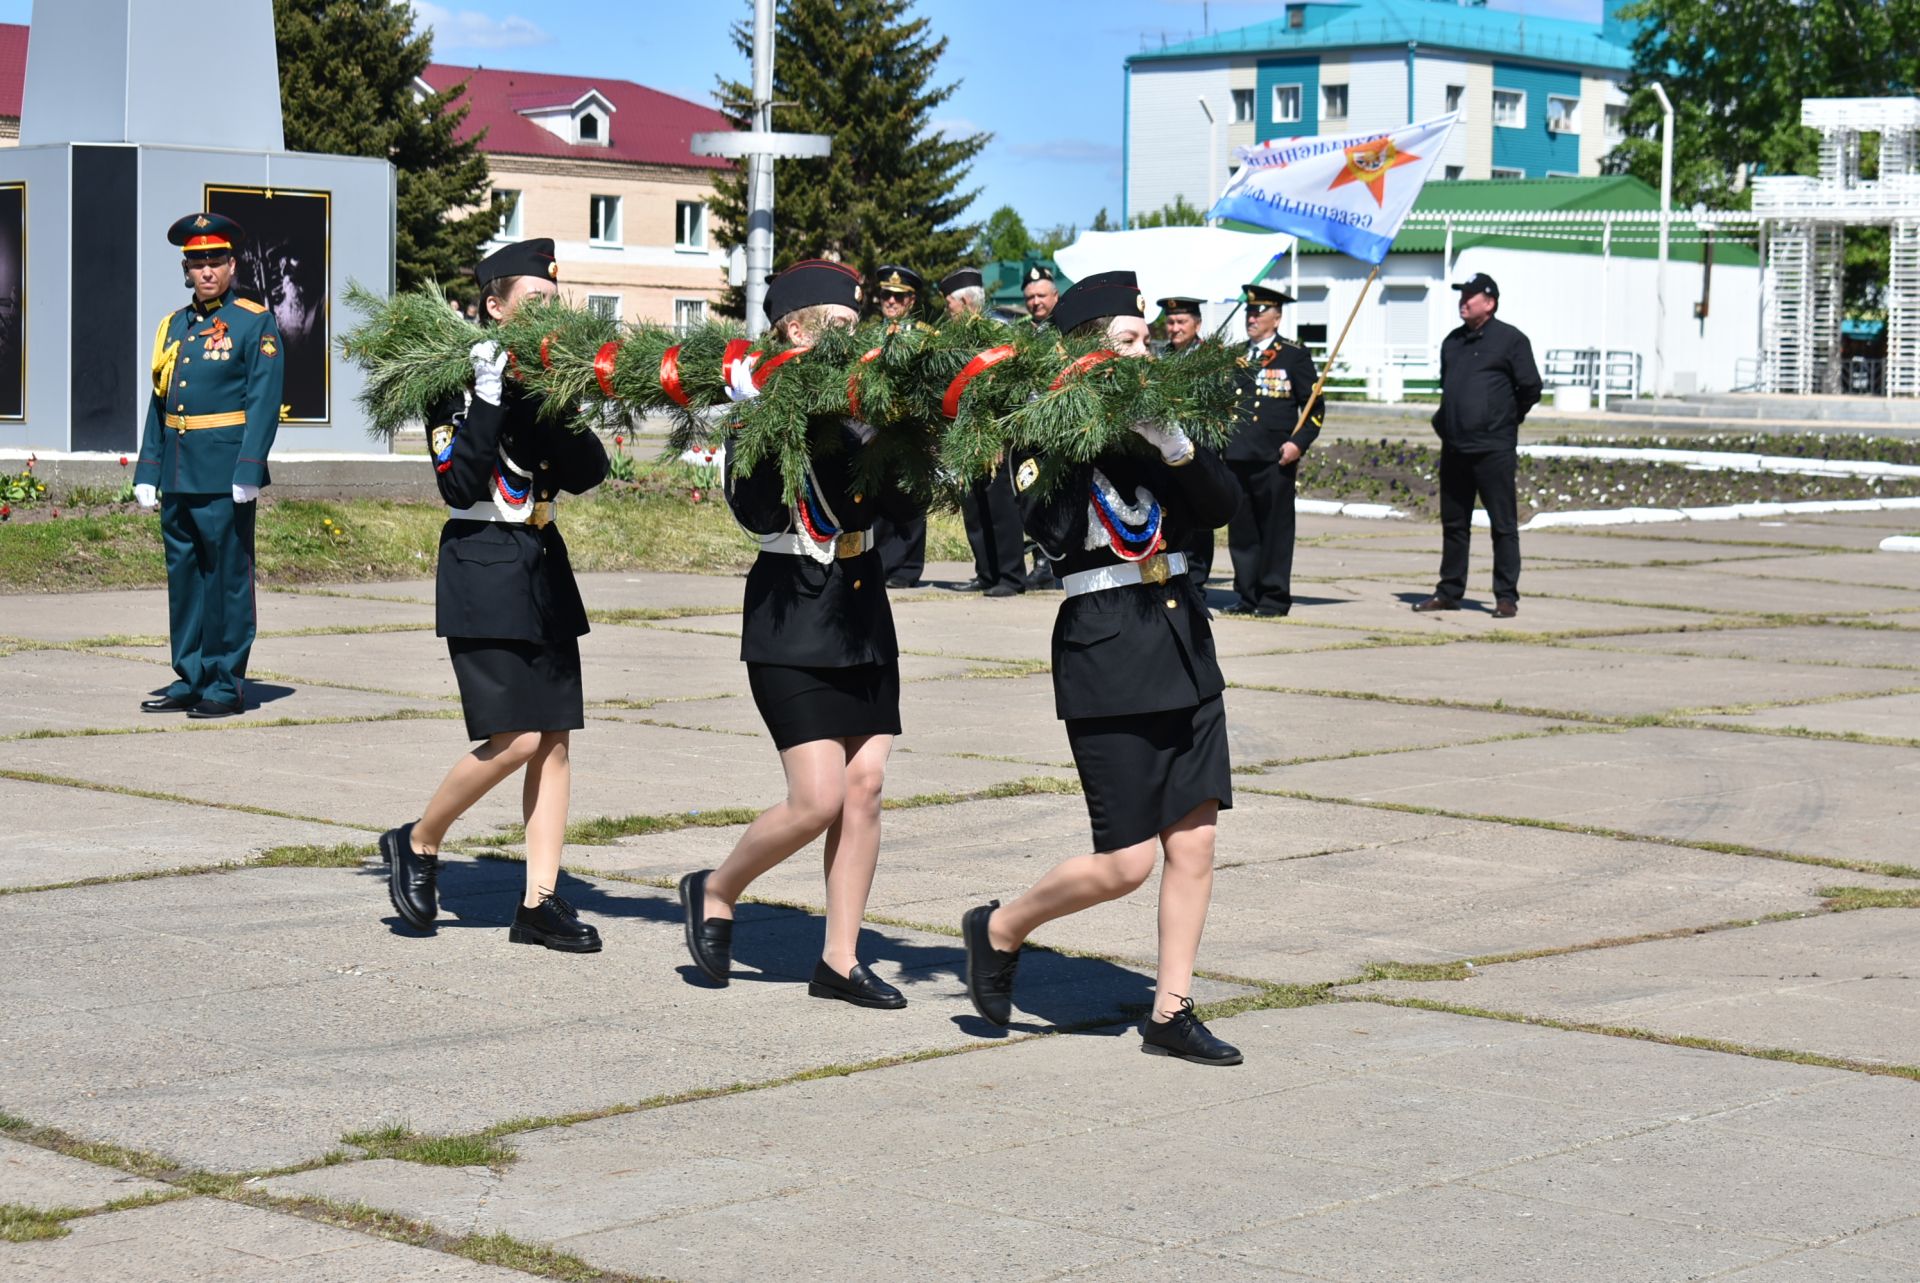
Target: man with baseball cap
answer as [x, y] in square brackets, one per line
[1488, 382]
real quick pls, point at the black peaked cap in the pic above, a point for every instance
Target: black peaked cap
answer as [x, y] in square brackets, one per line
[522, 258]
[966, 278]
[1096, 297]
[891, 279]
[810, 283]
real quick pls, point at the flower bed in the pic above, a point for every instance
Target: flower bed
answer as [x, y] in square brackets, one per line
[1806, 445]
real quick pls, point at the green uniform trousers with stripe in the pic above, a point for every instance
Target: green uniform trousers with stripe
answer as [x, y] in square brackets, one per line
[210, 610]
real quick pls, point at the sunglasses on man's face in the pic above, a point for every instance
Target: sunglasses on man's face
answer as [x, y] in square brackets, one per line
[1259, 309]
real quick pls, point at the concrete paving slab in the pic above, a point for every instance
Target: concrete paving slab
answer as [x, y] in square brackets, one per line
[1365, 604]
[1833, 985]
[1667, 586]
[1823, 1265]
[203, 1241]
[63, 690]
[1846, 801]
[1896, 1242]
[1872, 569]
[1807, 644]
[1685, 543]
[1553, 677]
[602, 589]
[59, 834]
[1891, 716]
[40, 1178]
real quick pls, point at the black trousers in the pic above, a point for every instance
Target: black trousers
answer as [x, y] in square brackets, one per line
[1260, 536]
[903, 548]
[1489, 476]
[994, 530]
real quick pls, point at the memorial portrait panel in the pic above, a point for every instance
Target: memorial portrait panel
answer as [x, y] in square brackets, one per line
[13, 300]
[285, 263]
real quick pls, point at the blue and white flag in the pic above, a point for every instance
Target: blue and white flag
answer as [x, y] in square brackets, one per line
[1351, 192]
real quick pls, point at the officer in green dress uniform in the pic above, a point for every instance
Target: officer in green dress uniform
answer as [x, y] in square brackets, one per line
[218, 372]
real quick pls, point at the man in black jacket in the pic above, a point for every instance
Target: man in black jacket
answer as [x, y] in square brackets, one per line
[1488, 382]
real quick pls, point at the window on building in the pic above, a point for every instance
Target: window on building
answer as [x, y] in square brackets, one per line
[1616, 122]
[688, 313]
[1286, 104]
[690, 225]
[603, 220]
[1563, 114]
[1457, 99]
[506, 214]
[1509, 109]
[1296, 16]
[1499, 172]
[604, 306]
[1455, 172]
[1333, 102]
[589, 128]
[1243, 106]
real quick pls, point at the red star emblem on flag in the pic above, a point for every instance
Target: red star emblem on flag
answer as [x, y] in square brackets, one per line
[1368, 163]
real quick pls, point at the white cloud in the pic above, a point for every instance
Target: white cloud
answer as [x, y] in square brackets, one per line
[955, 126]
[471, 29]
[1068, 151]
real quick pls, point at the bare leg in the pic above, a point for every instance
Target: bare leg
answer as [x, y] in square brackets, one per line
[853, 848]
[471, 779]
[543, 804]
[1186, 888]
[1073, 885]
[816, 787]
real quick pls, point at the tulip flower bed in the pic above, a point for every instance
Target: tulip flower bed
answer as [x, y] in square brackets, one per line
[1799, 445]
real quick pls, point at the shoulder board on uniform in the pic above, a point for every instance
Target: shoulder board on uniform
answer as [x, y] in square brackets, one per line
[248, 305]
[1284, 341]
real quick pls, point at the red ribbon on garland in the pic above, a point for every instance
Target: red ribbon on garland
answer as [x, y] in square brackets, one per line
[771, 364]
[545, 363]
[736, 349]
[603, 367]
[853, 382]
[670, 376]
[1081, 365]
[950, 403]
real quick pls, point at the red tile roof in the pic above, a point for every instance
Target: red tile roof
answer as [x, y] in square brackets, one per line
[648, 127]
[13, 68]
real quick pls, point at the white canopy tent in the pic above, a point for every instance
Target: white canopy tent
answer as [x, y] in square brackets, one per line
[1207, 263]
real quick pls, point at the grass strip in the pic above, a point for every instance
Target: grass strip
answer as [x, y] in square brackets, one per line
[151, 795]
[399, 1141]
[1273, 763]
[224, 727]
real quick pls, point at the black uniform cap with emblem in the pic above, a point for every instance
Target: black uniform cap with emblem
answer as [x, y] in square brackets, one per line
[1179, 305]
[1478, 283]
[204, 236]
[900, 280]
[1037, 272]
[1096, 297]
[812, 282]
[522, 258]
[966, 278]
[1268, 294]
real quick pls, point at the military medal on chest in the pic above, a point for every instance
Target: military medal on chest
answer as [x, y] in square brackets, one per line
[1274, 382]
[219, 343]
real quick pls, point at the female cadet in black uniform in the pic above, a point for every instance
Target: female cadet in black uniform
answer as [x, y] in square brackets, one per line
[1136, 681]
[817, 637]
[511, 613]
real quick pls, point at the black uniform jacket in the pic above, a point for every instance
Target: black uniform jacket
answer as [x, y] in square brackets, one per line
[495, 579]
[1488, 382]
[1138, 648]
[1272, 390]
[800, 612]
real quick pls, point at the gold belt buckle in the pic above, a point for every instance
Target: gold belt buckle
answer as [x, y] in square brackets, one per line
[850, 545]
[542, 514]
[1154, 569]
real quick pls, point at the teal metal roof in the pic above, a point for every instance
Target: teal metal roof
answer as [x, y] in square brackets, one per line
[1353, 24]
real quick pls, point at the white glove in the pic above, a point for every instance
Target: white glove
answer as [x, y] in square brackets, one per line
[862, 430]
[1173, 444]
[245, 494]
[489, 363]
[740, 379]
[145, 495]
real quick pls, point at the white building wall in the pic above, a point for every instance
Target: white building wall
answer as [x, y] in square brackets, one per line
[1431, 76]
[1597, 93]
[1376, 90]
[1167, 133]
[1479, 122]
[1243, 74]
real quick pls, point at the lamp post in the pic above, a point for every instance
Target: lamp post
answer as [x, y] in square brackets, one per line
[1213, 158]
[1660, 265]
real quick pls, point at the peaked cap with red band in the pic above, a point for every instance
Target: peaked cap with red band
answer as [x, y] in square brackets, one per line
[205, 235]
[1097, 297]
[810, 283]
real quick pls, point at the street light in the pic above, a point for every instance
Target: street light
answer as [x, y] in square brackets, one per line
[1213, 156]
[1666, 214]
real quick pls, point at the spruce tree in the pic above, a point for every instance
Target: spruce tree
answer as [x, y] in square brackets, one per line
[347, 87]
[862, 71]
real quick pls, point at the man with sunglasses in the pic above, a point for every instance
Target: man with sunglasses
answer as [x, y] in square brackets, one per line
[1270, 434]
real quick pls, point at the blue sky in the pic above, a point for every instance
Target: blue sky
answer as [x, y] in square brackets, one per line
[1043, 76]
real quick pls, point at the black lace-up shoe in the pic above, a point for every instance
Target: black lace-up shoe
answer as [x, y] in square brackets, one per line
[553, 923]
[1184, 1036]
[989, 970]
[859, 986]
[412, 879]
[169, 703]
[709, 940]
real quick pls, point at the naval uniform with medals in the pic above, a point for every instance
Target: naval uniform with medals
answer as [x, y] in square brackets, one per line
[1276, 380]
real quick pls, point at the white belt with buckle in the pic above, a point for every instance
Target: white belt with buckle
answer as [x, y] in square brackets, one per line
[1156, 569]
[536, 514]
[849, 543]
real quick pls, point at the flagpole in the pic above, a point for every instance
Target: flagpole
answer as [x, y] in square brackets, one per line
[1334, 351]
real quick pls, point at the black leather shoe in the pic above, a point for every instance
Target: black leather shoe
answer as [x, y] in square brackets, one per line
[169, 704]
[1273, 612]
[989, 970]
[975, 584]
[859, 986]
[1186, 1038]
[210, 708]
[1238, 608]
[1436, 602]
[709, 940]
[412, 879]
[902, 581]
[1004, 589]
[553, 923]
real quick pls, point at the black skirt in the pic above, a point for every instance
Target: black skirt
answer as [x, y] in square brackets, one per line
[1143, 772]
[511, 686]
[801, 704]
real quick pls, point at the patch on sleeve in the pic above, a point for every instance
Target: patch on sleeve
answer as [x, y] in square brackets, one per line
[1028, 473]
[269, 346]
